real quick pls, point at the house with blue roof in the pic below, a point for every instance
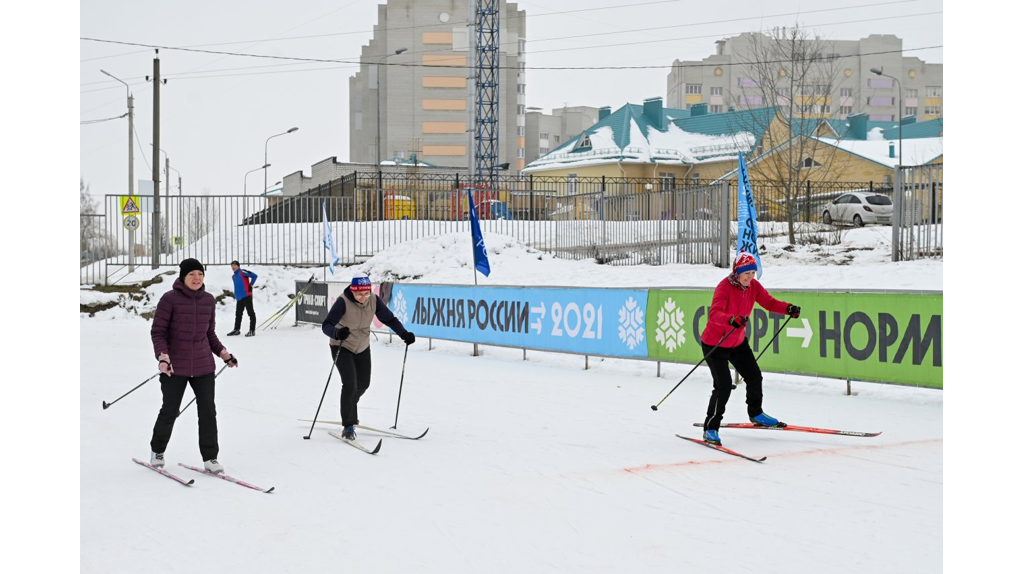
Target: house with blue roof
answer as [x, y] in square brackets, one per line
[853, 150]
[650, 141]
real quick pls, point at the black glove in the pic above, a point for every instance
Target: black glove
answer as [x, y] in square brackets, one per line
[793, 311]
[738, 321]
[408, 337]
[341, 333]
[231, 361]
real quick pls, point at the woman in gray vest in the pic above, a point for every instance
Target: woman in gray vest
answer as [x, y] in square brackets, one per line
[348, 325]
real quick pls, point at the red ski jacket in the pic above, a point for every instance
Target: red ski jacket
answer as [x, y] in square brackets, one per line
[730, 300]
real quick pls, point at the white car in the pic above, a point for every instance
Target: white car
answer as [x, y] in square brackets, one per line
[858, 208]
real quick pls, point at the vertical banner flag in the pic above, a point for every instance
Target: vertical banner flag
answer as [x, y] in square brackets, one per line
[479, 250]
[329, 237]
[746, 219]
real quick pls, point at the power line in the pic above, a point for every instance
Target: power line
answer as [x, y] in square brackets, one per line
[88, 122]
[404, 65]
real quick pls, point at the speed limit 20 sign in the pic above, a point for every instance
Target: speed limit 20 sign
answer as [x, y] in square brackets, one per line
[131, 223]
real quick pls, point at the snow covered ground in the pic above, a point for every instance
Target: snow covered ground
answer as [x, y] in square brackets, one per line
[529, 465]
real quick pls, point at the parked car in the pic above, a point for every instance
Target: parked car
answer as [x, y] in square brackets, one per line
[858, 208]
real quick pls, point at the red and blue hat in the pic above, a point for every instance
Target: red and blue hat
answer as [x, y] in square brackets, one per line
[745, 262]
[360, 283]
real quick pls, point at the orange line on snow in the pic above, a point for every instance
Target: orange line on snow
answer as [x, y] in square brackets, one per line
[730, 458]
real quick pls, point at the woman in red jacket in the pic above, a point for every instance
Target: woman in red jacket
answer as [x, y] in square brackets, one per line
[184, 342]
[727, 320]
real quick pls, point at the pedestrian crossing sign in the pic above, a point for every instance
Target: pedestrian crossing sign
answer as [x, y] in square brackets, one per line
[130, 204]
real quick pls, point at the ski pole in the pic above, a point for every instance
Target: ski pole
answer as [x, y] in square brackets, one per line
[334, 358]
[106, 405]
[738, 378]
[193, 398]
[773, 339]
[400, 383]
[655, 407]
[291, 302]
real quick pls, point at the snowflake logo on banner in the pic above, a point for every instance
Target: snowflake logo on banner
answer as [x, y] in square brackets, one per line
[400, 308]
[670, 332]
[631, 323]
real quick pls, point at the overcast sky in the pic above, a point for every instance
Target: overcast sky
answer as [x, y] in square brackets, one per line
[218, 111]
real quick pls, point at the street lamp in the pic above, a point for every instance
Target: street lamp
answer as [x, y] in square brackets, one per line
[265, 155]
[245, 184]
[131, 164]
[379, 62]
[899, 110]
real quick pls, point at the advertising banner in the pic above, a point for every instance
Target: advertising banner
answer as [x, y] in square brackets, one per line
[606, 322]
[891, 337]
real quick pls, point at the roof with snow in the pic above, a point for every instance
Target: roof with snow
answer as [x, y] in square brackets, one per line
[408, 161]
[649, 133]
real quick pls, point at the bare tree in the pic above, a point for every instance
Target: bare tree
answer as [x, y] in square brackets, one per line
[201, 216]
[799, 74]
[94, 242]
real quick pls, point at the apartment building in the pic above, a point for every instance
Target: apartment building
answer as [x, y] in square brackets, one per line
[424, 97]
[840, 82]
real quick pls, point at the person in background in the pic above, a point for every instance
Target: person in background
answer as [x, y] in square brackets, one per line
[243, 280]
[348, 326]
[184, 342]
[731, 305]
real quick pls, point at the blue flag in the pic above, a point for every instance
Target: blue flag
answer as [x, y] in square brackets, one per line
[746, 218]
[479, 250]
[329, 237]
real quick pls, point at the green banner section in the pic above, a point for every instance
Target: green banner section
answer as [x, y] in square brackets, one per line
[889, 337]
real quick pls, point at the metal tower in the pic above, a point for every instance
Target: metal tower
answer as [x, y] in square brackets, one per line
[486, 57]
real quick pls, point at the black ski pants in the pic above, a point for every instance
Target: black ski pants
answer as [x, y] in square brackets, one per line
[173, 388]
[742, 358]
[245, 304]
[355, 379]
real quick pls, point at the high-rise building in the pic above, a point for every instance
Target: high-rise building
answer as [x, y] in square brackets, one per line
[425, 103]
[838, 80]
[545, 132]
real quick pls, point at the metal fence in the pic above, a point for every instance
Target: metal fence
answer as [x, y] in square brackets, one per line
[622, 221]
[917, 213]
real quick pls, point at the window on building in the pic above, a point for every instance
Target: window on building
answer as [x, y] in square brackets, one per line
[522, 46]
[716, 91]
[520, 88]
[821, 90]
[933, 110]
[846, 92]
[912, 92]
[520, 152]
[826, 109]
[520, 110]
[694, 88]
[845, 110]
[583, 143]
[558, 138]
[520, 130]
[808, 163]
[715, 109]
[933, 92]
[784, 91]
[543, 135]
[544, 150]
[910, 111]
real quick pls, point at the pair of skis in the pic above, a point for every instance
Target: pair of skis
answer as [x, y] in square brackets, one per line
[189, 482]
[359, 445]
[792, 428]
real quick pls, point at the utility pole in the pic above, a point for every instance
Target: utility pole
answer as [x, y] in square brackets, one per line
[131, 165]
[156, 164]
[167, 185]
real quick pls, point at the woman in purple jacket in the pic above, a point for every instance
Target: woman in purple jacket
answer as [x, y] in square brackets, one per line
[184, 342]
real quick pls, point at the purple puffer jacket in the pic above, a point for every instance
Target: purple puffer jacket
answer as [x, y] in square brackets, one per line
[183, 327]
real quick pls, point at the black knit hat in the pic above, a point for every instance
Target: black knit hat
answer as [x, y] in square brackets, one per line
[189, 265]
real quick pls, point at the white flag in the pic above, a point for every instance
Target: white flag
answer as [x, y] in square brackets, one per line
[329, 237]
